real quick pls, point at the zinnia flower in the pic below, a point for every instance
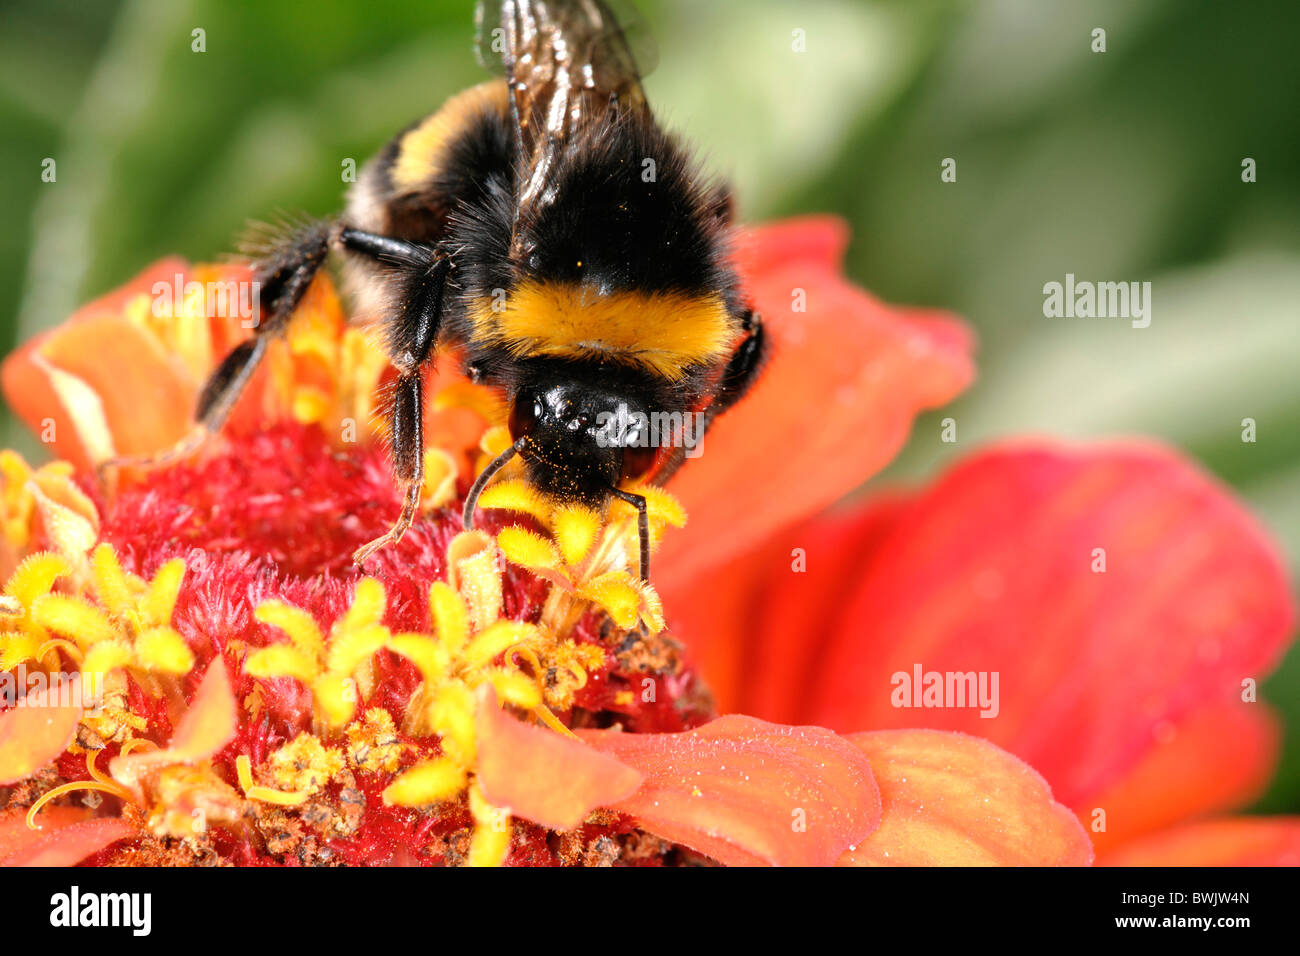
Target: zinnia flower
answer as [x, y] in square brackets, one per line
[512, 694]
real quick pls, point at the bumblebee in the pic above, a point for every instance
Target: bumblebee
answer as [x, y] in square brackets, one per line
[544, 227]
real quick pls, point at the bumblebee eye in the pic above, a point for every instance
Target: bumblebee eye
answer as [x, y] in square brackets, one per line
[524, 414]
[637, 461]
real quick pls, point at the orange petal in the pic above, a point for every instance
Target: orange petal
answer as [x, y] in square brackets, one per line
[1219, 757]
[746, 792]
[34, 734]
[211, 719]
[65, 845]
[107, 384]
[16, 835]
[846, 378]
[1236, 841]
[955, 800]
[206, 727]
[540, 775]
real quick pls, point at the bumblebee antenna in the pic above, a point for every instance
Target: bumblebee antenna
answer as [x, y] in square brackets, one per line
[497, 463]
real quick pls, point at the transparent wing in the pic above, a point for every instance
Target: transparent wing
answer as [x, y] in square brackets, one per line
[629, 27]
[569, 64]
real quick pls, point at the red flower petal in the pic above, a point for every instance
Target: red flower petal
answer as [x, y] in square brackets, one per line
[835, 403]
[540, 775]
[954, 800]
[34, 734]
[1219, 757]
[1240, 841]
[747, 792]
[990, 570]
[64, 845]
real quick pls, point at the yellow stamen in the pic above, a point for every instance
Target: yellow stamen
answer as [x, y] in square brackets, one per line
[495, 440]
[474, 571]
[281, 660]
[431, 781]
[109, 787]
[244, 772]
[528, 550]
[58, 643]
[73, 617]
[616, 593]
[451, 716]
[297, 623]
[515, 494]
[112, 586]
[514, 688]
[367, 608]
[450, 617]
[492, 831]
[496, 639]
[35, 576]
[164, 650]
[428, 656]
[550, 720]
[106, 657]
[575, 528]
[160, 601]
[349, 649]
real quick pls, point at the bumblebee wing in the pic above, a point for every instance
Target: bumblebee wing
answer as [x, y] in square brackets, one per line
[568, 64]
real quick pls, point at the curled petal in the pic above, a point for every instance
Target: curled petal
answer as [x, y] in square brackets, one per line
[211, 719]
[206, 727]
[542, 776]
[954, 800]
[746, 792]
[847, 375]
[35, 733]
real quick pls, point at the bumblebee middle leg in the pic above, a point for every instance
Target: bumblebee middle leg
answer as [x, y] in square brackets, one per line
[412, 335]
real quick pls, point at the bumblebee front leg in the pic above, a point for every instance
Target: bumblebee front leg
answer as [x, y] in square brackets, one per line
[281, 277]
[412, 334]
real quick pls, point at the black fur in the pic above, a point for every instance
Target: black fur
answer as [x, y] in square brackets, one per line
[625, 211]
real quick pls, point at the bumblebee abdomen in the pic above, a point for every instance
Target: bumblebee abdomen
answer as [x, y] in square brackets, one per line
[451, 156]
[411, 188]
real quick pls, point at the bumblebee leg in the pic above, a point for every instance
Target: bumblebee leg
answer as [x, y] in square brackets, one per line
[642, 527]
[407, 435]
[412, 335]
[738, 378]
[282, 277]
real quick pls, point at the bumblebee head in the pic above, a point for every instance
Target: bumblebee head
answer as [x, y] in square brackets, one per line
[579, 440]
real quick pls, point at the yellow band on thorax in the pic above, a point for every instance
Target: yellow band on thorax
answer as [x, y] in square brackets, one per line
[661, 332]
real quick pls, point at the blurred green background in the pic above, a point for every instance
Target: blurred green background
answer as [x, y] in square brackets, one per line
[1123, 165]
